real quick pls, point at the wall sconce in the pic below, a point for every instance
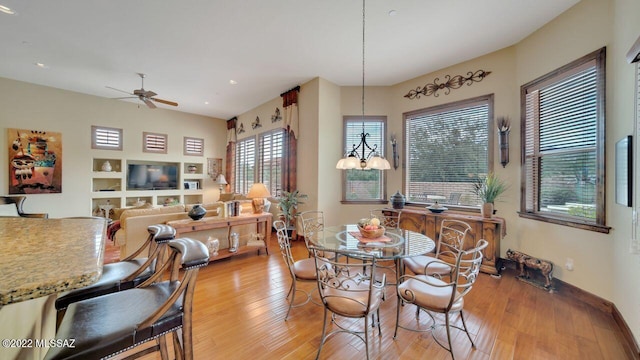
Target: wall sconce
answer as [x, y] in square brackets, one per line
[396, 157]
[504, 125]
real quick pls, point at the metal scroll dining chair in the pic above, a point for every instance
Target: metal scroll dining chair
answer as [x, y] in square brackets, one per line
[109, 325]
[389, 218]
[450, 241]
[437, 296]
[347, 290]
[312, 222]
[303, 270]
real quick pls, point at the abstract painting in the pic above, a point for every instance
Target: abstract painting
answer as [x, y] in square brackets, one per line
[35, 161]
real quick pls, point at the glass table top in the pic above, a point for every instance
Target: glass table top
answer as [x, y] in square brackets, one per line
[395, 243]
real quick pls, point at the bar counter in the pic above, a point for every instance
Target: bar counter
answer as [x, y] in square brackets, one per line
[40, 258]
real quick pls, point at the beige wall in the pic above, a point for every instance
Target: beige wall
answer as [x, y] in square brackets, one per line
[620, 102]
[28, 106]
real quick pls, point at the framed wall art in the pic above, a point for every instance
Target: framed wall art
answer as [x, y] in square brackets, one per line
[624, 171]
[35, 161]
[214, 167]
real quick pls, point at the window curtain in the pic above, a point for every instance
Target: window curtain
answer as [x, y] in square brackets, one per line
[231, 151]
[291, 125]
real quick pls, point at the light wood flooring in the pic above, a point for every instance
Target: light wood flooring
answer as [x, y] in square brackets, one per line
[240, 305]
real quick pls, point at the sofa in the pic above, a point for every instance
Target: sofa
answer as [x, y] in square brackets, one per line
[132, 223]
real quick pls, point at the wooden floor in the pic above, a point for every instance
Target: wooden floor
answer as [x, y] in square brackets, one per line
[240, 305]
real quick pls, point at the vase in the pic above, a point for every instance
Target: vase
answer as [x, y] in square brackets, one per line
[106, 166]
[192, 169]
[487, 210]
[398, 200]
[197, 212]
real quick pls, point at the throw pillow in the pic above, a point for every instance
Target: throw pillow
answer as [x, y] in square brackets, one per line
[226, 196]
[117, 212]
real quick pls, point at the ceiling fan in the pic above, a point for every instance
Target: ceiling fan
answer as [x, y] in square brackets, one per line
[145, 96]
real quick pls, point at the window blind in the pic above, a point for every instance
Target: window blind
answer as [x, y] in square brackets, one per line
[193, 146]
[156, 143]
[270, 160]
[245, 164]
[446, 149]
[106, 138]
[364, 185]
[561, 144]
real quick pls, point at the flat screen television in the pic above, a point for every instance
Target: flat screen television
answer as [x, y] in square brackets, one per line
[152, 177]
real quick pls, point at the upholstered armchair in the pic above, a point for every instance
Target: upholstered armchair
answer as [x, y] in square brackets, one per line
[7, 210]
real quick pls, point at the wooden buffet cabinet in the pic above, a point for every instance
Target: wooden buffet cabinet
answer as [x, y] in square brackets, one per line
[490, 229]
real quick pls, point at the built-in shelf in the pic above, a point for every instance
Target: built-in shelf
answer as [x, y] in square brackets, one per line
[109, 187]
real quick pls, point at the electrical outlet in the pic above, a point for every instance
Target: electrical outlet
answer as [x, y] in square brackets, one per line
[569, 264]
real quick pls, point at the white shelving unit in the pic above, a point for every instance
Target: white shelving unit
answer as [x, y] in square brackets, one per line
[109, 187]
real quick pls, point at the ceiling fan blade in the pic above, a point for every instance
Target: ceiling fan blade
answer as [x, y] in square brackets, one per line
[150, 104]
[125, 97]
[166, 102]
[112, 88]
[149, 94]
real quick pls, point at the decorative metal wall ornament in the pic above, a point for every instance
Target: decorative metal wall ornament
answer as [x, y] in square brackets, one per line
[256, 124]
[240, 129]
[504, 125]
[455, 82]
[276, 116]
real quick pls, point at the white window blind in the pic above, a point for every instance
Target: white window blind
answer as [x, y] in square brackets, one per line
[364, 185]
[155, 143]
[563, 151]
[193, 146]
[270, 160]
[245, 164]
[106, 138]
[446, 148]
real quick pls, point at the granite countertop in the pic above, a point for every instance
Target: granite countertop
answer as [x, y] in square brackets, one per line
[39, 257]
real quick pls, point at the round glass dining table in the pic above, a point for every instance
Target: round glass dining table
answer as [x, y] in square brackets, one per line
[393, 245]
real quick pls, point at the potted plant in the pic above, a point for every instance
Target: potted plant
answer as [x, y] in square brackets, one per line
[488, 189]
[288, 205]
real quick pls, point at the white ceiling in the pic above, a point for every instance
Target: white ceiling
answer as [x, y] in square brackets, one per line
[190, 49]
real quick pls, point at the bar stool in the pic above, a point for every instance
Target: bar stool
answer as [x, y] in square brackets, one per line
[111, 324]
[122, 275]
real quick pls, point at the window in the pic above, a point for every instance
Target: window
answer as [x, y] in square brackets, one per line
[270, 160]
[563, 129]
[447, 147]
[245, 164]
[154, 143]
[106, 138]
[193, 146]
[364, 185]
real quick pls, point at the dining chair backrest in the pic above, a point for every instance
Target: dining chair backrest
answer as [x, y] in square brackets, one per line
[284, 243]
[347, 286]
[312, 222]
[467, 268]
[389, 218]
[452, 237]
[349, 289]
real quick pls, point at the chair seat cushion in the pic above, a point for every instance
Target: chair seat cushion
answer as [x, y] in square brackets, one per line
[108, 324]
[109, 282]
[417, 264]
[434, 295]
[352, 302]
[305, 269]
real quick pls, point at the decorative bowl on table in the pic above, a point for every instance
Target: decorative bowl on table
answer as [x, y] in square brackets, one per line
[371, 233]
[436, 208]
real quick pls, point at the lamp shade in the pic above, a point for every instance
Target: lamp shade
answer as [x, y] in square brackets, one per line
[220, 180]
[258, 190]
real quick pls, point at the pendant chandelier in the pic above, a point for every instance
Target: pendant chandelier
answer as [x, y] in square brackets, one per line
[363, 156]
